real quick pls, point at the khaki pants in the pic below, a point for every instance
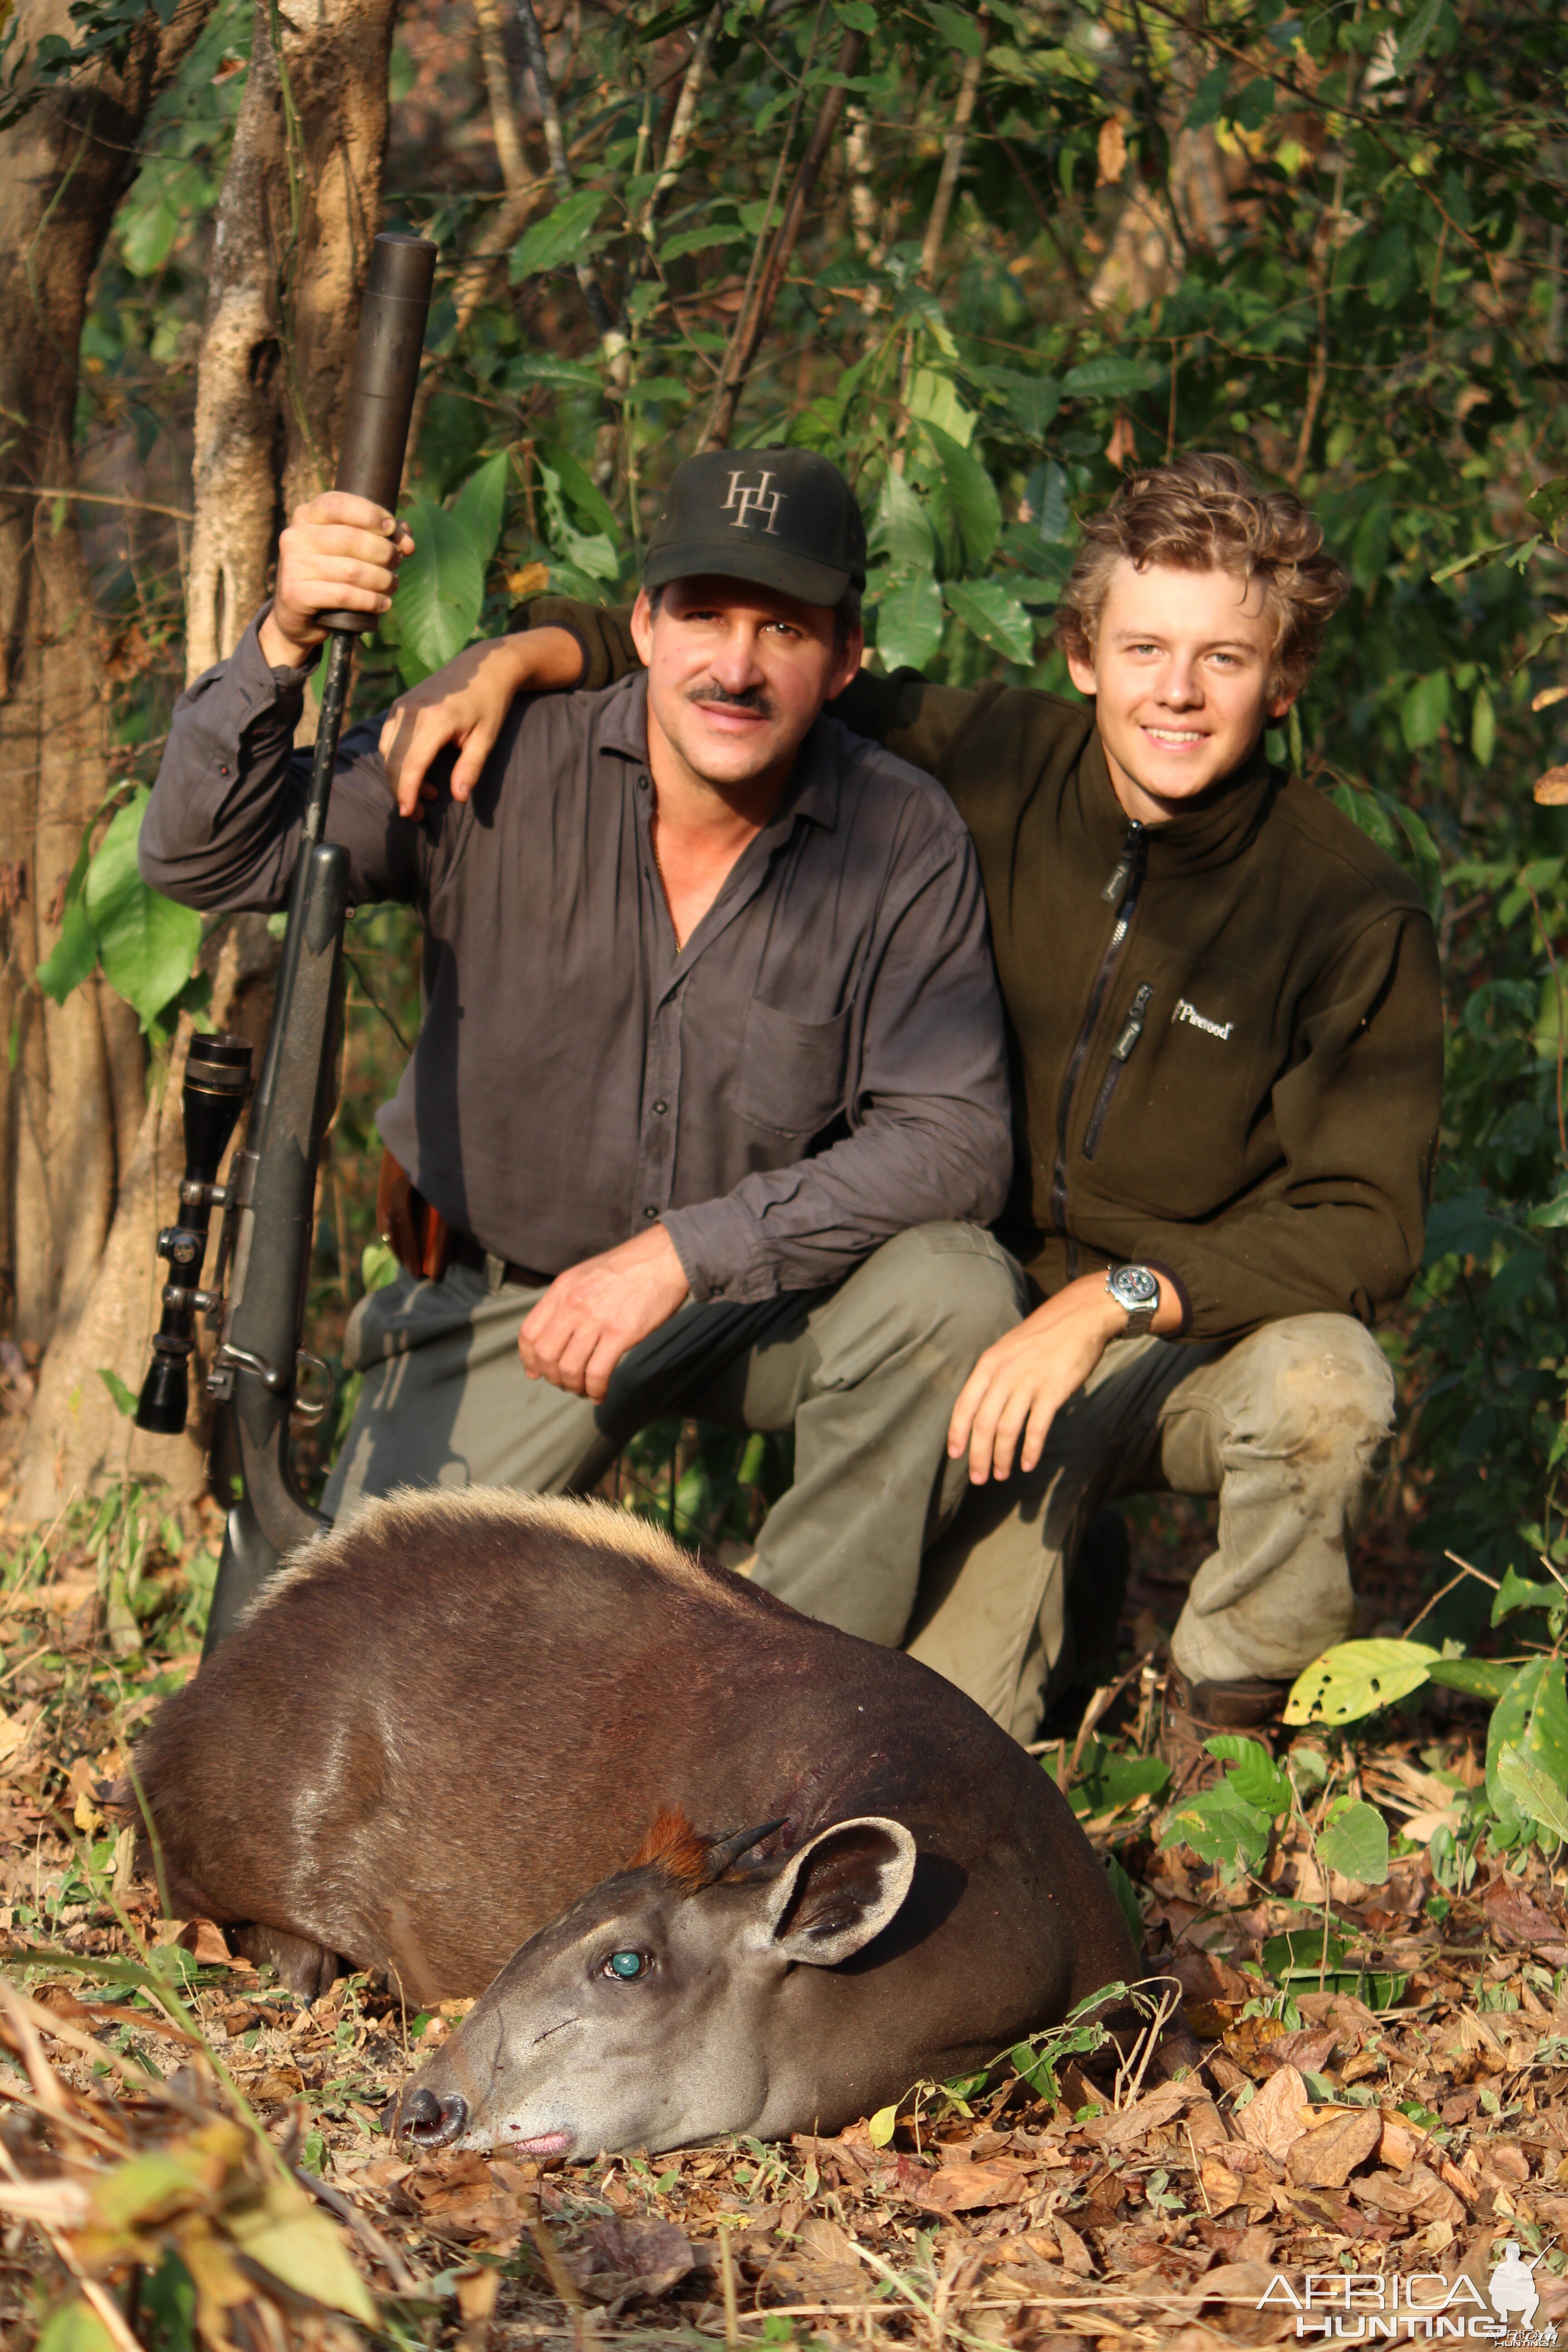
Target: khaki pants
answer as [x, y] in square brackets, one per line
[866, 1374]
[1290, 1428]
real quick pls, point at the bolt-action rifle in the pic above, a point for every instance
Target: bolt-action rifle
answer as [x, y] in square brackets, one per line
[268, 1203]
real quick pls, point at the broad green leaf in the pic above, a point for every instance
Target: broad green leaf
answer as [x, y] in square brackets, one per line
[574, 483]
[993, 615]
[1108, 377]
[1483, 728]
[701, 240]
[1532, 1716]
[909, 622]
[1425, 709]
[1356, 1844]
[298, 2244]
[880, 2128]
[1254, 1776]
[1032, 400]
[1422, 27]
[1516, 1592]
[900, 528]
[123, 1400]
[934, 400]
[1302, 1952]
[1220, 1827]
[146, 944]
[1355, 1679]
[1549, 503]
[562, 235]
[972, 499]
[1478, 1677]
[480, 505]
[441, 590]
[1537, 1798]
[960, 29]
[1108, 1780]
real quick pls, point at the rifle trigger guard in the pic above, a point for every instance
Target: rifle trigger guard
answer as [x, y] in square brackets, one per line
[309, 1413]
[240, 1360]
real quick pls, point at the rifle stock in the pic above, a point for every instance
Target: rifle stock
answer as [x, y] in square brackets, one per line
[269, 1202]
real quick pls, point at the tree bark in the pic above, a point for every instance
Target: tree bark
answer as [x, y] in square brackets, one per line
[300, 207]
[66, 1088]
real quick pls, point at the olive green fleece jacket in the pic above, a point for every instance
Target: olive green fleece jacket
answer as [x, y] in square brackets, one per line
[1225, 1030]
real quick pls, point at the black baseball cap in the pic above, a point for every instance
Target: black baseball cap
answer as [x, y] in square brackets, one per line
[785, 518]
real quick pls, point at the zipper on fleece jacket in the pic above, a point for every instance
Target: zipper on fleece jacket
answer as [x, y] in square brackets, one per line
[1129, 875]
[1121, 1054]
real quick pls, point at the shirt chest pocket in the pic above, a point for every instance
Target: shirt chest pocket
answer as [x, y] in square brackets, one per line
[790, 1079]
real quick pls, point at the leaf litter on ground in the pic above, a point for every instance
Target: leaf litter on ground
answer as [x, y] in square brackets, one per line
[1376, 2079]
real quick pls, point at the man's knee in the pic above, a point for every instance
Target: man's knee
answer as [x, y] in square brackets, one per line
[1322, 1394]
[949, 1288]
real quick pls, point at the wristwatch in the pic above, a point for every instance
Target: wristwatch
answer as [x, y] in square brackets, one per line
[1138, 1290]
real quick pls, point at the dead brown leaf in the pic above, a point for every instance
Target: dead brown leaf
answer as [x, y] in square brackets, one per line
[1417, 2194]
[1276, 2119]
[963, 2188]
[1326, 2155]
[632, 2260]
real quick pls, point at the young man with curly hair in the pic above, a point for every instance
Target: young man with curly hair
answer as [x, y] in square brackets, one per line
[1226, 1051]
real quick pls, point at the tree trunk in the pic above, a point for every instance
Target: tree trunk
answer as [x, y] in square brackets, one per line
[300, 207]
[74, 1071]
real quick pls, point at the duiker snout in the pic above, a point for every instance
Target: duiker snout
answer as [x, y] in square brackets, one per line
[428, 2121]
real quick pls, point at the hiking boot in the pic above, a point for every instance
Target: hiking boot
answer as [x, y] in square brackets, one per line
[1196, 1713]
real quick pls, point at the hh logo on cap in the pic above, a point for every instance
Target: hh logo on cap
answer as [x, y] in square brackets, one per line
[752, 499]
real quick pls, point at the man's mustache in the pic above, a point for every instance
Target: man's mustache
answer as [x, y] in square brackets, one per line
[754, 697]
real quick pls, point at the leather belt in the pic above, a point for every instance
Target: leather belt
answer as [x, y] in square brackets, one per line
[465, 1251]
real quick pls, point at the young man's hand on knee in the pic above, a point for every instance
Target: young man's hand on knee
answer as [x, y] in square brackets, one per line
[466, 703]
[592, 1313]
[1021, 1381]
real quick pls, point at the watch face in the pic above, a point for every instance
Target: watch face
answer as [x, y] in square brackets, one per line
[1135, 1285]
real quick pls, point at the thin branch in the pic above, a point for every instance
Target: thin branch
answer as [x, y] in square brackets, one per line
[684, 118]
[952, 152]
[97, 498]
[751, 325]
[505, 128]
[604, 326]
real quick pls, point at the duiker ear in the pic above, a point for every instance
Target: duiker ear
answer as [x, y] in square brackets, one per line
[840, 1891]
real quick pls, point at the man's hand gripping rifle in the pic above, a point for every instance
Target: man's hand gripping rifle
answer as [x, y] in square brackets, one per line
[268, 1203]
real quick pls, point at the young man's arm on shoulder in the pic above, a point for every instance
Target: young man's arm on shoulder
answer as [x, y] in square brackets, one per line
[222, 828]
[1357, 1115]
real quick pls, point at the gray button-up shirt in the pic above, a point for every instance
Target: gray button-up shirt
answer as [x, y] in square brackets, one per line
[821, 1066]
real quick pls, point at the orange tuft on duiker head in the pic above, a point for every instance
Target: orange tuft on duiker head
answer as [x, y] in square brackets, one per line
[673, 1846]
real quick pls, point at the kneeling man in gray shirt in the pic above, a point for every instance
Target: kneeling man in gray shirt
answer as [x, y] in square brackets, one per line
[710, 1088]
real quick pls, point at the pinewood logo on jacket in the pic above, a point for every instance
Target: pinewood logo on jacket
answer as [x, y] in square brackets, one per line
[1190, 1014]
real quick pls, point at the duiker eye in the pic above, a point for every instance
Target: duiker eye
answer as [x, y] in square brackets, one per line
[626, 1965]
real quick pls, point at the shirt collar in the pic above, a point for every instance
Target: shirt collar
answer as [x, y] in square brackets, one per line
[814, 783]
[1213, 832]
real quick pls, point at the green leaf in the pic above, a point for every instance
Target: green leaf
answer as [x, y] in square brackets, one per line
[124, 1402]
[441, 590]
[1483, 728]
[992, 614]
[1478, 1677]
[146, 944]
[900, 528]
[1355, 1843]
[562, 235]
[480, 505]
[1220, 1827]
[1254, 1776]
[1516, 1592]
[1032, 400]
[1356, 1679]
[1108, 377]
[1537, 1798]
[960, 30]
[1532, 1716]
[1424, 708]
[1108, 1780]
[879, 2130]
[1549, 503]
[1420, 31]
[858, 15]
[587, 500]
[909, 622]
[701, 240]
[972, 499]
[1301, 1953]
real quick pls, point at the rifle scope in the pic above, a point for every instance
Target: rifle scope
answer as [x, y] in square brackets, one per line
[218, 1076]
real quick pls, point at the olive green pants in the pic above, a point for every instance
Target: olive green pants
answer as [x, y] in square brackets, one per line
[866, 1374]
[1289, 1427]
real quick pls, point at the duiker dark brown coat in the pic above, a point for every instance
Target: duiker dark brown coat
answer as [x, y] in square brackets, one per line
[455, 1717]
